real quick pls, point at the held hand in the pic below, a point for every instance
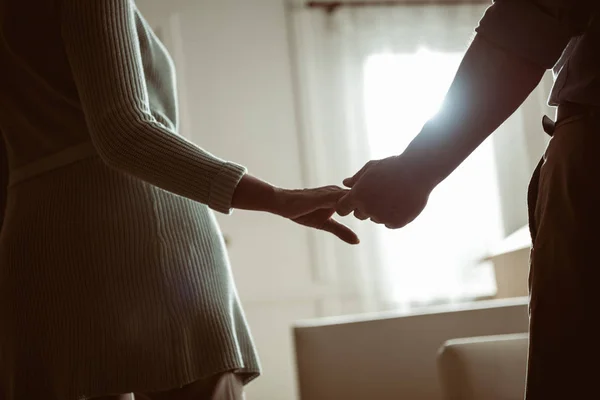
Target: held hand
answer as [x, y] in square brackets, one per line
[309, 207]
[388, 191]
[314, 208]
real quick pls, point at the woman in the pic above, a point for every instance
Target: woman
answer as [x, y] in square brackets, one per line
[113, 276]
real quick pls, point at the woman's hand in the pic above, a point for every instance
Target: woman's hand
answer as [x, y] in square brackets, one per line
[314, 208]
[309, 207]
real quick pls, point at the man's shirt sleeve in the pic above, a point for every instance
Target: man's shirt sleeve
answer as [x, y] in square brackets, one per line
[537, 30]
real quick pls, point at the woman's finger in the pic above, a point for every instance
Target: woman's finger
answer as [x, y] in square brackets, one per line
[341, 231]
[295, 203]
[325, 197]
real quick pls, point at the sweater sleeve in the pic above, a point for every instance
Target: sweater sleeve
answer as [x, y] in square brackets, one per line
[102, 46]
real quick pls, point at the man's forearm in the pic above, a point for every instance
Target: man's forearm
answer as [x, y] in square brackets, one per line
[489, 86]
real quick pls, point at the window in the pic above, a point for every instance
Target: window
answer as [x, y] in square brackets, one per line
[438, 257]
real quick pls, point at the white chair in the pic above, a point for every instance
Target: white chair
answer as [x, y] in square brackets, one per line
[392, 356]
[484, 368]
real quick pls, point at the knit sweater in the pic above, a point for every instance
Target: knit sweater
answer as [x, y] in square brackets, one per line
[113, 274]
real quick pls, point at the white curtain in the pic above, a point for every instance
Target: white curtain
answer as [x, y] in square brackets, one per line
[369, 78]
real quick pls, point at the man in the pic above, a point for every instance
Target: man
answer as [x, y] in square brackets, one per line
[516, 42]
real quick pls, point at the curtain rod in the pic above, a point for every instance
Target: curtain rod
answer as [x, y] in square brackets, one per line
[332, 6]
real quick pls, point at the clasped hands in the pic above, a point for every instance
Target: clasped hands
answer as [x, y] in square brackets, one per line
[388, 191]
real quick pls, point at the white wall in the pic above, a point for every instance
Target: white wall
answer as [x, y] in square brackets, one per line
[237, 101]
[518, 146]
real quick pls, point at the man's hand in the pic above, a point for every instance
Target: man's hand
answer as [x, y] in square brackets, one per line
[490, 84]
[388, 191]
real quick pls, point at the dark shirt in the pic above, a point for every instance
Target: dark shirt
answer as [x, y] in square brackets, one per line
[559, 34]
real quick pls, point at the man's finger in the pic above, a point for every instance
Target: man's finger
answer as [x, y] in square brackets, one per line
[341, 231]
[360, 215]
[349, 182]
[395, 226]
[346, 205]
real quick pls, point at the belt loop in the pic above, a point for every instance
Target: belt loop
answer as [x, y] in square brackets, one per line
[548, 125]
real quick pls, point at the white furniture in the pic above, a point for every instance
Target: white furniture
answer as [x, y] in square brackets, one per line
[511, 264]
[392, 356]
[484, 368]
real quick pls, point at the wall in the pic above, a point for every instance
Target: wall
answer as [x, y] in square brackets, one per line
[236, 91]
[518, 146]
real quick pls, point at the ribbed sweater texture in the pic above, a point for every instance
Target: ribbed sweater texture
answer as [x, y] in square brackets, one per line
[114, 277]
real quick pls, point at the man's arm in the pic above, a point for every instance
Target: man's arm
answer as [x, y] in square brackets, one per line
[517, 41]
[490, 85]
[537, 30]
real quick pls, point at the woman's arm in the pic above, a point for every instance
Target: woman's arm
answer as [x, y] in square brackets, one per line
[102, 46]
